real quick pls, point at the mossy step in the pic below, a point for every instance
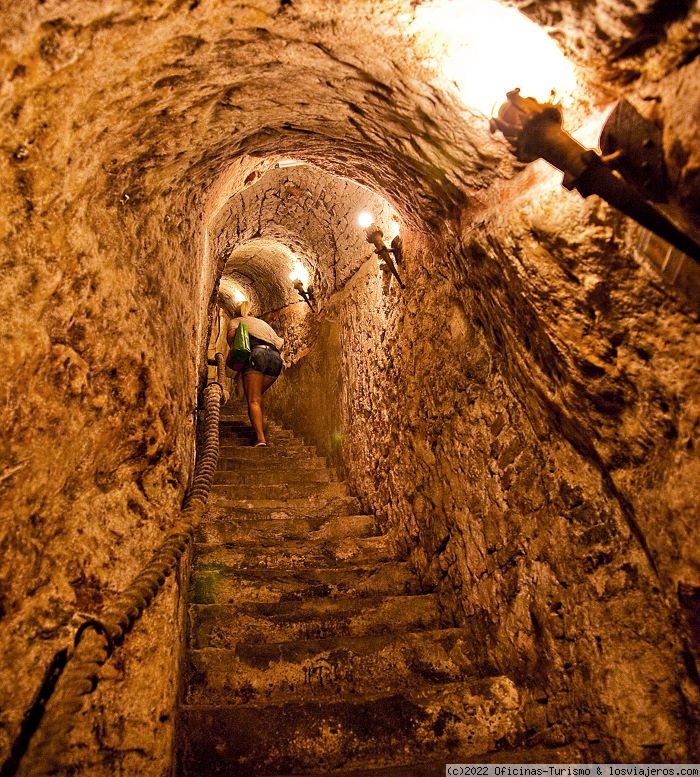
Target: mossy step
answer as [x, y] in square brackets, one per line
[272, 476]
[294, 554]
[268, 453]
[566, 754]
[233, 586]
[417, 770]
[276, 528]
[397, 729]
[309, 506]
[269, 457]
[235, 442]
[293, 490]
[331, 668]
[276, 459]
[247, 436]
[225, 625]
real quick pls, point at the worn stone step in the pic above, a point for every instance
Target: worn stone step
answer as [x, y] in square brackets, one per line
[566, 754]
[424, 769]
[310, 506]
[398, 729]
[267, 458]
[275, 528]
[294, 554]
[269, 453]
[242, 509]
[247, 437]
[276, 459]
[245, 440]
[242, 420]
[225, 625]
[226, 585]
[331, 668]
[292, 490]
[272, 476]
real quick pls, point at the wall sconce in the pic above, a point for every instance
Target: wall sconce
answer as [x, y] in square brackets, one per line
[375, 236]
[534, 130]
[306, 294]
[300, 280]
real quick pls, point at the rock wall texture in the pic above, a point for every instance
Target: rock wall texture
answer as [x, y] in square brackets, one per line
[522, 417]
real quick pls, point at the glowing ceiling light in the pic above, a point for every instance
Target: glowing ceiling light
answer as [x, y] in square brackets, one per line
[299, 273]
[284, 163]
[488, 49]
[365, 219]
[239, 296]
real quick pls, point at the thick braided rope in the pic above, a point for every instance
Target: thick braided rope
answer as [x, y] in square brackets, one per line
[97, 638]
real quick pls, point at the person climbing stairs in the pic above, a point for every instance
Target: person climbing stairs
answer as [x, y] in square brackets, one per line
[311, 650]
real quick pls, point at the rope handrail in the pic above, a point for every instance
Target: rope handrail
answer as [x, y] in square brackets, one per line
[73, 674]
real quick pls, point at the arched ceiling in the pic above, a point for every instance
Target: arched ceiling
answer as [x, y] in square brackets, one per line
[181, 107]
[300, 212]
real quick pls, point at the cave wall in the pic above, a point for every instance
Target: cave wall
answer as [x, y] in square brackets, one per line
[522, 419]
[102, 352]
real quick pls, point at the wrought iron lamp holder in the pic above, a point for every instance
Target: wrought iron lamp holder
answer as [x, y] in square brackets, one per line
[534, 130]
[390, 256]
[307, 295]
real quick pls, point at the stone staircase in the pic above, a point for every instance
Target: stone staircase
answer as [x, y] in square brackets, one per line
[311, 650]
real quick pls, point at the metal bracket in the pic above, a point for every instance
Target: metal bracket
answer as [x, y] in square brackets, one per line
[636, 148]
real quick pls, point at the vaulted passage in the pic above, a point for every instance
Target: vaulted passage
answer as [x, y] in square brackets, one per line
[516, 409]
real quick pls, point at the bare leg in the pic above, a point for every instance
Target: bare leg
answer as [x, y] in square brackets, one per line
[253, 385]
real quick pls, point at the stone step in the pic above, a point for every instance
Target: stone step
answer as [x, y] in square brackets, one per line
[294, 554]
[331, 668]
[311, 506]
[272, 476]
[424, 769]
[247, 437]
[565, 754]
[226, 585]
[242, 421]
[273, 449]
[276, 458]
[396, 729]
[232, 445]
[274, 528]
[269, 457]
[226, 625]
[293, 490]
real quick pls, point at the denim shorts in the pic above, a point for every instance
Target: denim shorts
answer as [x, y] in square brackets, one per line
[264, 359]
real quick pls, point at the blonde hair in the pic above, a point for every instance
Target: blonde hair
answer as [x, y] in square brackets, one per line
[244, 308]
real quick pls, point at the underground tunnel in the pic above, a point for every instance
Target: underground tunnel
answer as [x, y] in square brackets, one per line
[514, 411]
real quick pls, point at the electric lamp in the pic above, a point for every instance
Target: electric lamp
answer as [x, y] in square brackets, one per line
[299, 277]
[534, 130]
[375, 236]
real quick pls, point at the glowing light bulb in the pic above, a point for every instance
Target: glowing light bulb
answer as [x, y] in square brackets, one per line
[365, 219]
[299, 273]
[239, 296]
[486, 49]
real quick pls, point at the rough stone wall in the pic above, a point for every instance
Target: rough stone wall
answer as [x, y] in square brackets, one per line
[523, 418]
[524, 427]
[101, 353]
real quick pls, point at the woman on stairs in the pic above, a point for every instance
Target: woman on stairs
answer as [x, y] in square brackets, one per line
[263, 366]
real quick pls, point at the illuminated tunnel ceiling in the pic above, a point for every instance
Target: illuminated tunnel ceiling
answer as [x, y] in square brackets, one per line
[192, 105]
